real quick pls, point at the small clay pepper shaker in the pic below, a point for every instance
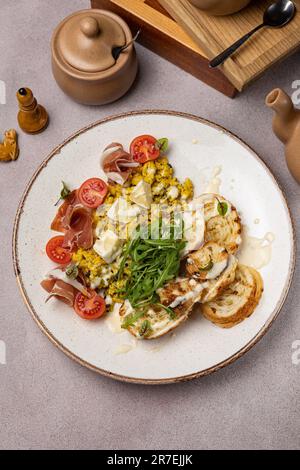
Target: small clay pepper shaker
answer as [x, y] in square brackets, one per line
[32, 117]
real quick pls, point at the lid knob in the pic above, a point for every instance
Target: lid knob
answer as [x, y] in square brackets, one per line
[90, 27]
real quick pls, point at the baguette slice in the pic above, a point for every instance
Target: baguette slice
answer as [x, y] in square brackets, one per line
[222, 222]
[208, 262]
[238, 301]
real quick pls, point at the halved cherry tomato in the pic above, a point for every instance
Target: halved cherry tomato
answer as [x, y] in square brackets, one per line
[56, 252]
[91, 307]
[92, 192]
[144, 148]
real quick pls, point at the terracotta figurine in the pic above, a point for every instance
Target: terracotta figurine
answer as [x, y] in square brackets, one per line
[9, 149]
[286, 125]
[32, 117]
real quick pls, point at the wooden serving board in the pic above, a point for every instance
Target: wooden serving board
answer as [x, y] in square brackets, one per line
[161, 34]
[214, 34]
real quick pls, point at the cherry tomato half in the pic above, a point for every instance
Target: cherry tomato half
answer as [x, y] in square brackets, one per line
[56, 252]
[92, 192]
[91, 307]
[144, 148]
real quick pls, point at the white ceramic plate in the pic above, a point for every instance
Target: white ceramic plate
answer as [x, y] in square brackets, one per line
[198, 347]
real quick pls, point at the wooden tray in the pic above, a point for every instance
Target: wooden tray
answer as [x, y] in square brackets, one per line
[214, 34]
[162, 35]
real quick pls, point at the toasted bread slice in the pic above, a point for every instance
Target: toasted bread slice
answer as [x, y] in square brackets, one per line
[215, 287]
[222, 222]
[177, 296]
[208, 262]
[153, 323]
[238, 301]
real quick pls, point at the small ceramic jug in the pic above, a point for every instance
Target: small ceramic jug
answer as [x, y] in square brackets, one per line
[220, 7]
[286, 126]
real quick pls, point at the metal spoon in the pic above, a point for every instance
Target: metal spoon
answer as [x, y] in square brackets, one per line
[117, 50]
[276, 15]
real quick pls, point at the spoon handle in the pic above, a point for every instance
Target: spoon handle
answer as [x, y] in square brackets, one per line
[231, 49]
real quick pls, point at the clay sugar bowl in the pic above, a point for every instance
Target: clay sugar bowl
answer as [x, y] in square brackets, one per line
[220, 7]
[82, 60]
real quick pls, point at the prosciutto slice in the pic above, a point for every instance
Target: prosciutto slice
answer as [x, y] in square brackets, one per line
[117, 163]
[78, 227]
[59, 289]
[75, 221]
[57, 223]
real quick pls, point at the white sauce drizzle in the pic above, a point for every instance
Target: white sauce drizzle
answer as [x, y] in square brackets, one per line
[217, 269]
[192, 295]
[256, 252]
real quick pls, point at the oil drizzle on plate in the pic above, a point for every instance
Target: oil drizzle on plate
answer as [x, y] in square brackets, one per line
[126, 348]
[256, 252]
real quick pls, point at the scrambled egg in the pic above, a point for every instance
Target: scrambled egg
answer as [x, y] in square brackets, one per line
[160, 175]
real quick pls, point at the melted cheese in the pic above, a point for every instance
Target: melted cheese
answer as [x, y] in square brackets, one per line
[192, 295]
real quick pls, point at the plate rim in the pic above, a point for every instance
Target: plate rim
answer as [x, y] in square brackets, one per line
[123, 378]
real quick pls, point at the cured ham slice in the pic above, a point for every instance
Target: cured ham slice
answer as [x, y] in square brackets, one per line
[59, 289]
[59, 285]
[78, 226]
[117, 163]
[57, 224]
[75, 221]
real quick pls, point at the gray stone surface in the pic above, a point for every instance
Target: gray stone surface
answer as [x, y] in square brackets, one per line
[47, 400]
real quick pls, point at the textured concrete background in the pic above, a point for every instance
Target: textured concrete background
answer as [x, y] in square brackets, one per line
[47, 400]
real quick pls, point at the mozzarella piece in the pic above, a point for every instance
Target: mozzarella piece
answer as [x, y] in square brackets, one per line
[142, 194]
[123, 212]
[61, 275]
[108, 246]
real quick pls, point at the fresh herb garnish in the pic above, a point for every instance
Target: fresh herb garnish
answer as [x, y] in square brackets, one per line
[131, 319]
[208, 267]
[170, 311]
[162, 144]
[64, 193]
[145, 328]
[153, 262]
[72, 271]
[222, 208]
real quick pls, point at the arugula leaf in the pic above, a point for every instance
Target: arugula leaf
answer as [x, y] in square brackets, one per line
[131, 319]
[170, 311]
[153, 262]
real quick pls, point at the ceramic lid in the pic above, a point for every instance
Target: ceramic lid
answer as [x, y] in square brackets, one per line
[86, 40]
